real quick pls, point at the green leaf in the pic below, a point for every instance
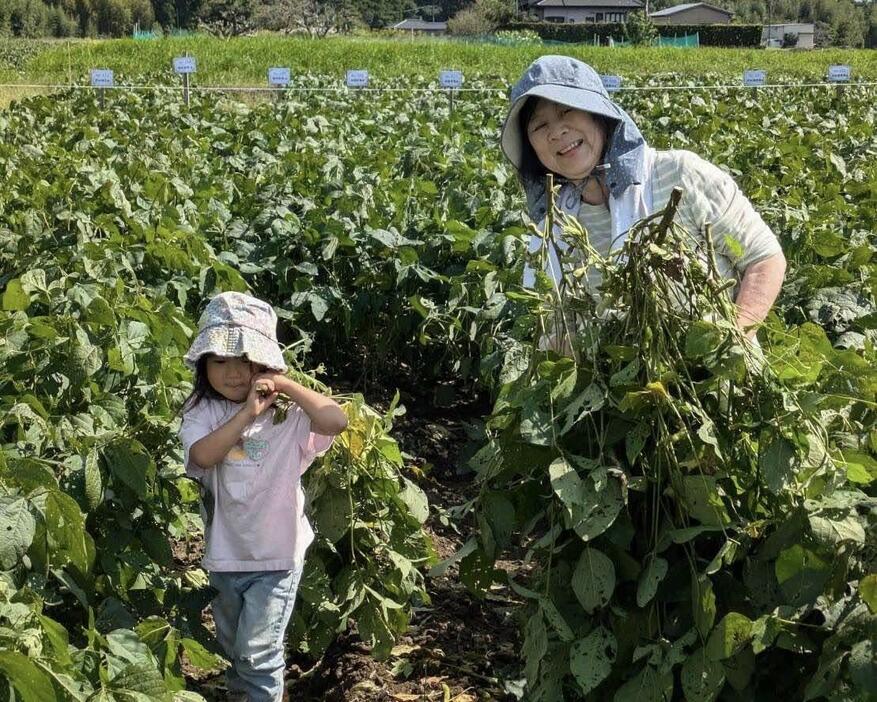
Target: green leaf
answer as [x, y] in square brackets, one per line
[332, 516]
[129, 462]
[65, 529]
[734, 247]
[589, 400]
[535, 644]
[795, 560]
[868, 591]
[739, 669]
[833, 530]
[863, 668]
[703, 604]
[199, 656]
[415, 499]
[17, 529]
[93, 481]
[603, 497]
[57, 637]
[591, 658]
[646, 686]
[29, 681]
[636, 440]
[861, 468]
[536, 426]
[499, 512]
[566, 483]
[14, 297]
[701, 496]
[649, 580]
[777, 463]
[627, 375]
[703, 338]
[593, 580]
[729, 637]
[140, 677]
[702, 678]
[556, 619]
[126, 644]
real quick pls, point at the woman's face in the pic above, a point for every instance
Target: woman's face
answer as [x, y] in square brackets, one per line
[567, 141]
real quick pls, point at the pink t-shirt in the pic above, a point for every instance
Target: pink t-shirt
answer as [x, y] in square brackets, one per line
[252, 502]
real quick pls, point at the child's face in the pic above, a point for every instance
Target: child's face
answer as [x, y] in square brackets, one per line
[231, 377]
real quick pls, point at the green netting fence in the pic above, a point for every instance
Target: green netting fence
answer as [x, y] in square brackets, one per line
[691, 40]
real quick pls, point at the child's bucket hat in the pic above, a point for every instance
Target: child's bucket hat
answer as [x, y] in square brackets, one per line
[233, 325]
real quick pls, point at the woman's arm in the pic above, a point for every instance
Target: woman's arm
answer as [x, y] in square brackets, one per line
[759, 288]
[327, 418]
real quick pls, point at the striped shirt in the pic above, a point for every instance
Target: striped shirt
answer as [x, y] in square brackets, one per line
[710, 196]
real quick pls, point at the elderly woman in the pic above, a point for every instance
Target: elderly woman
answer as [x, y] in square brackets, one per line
[562, 121]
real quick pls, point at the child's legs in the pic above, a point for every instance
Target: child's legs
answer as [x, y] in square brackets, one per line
[227, 606]
[257, 652]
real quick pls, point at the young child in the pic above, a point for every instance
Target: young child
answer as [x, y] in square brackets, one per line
[249, 469]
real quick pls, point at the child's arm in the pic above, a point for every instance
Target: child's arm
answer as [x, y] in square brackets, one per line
[327, 418]
[210, 450]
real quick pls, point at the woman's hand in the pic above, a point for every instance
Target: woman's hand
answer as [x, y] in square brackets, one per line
[263, 392]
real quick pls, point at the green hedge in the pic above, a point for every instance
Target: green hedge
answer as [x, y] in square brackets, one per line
[710, 34]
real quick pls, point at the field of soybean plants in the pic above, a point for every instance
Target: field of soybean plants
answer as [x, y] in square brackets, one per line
[666, 513]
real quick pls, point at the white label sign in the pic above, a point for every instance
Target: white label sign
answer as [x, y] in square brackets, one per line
[754, 78]
[357, 79]
[101, 78]
[611, 83]
[278, 76]
[839, 74]
[451, 80]
[185, 64]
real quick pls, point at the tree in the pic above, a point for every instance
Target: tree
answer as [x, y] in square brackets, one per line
[315, 18]
[639, 29]
[483, 17]
[227, 17]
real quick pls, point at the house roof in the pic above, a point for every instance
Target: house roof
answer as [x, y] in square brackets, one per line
[668, 11]
[421, 25]
[590, 3]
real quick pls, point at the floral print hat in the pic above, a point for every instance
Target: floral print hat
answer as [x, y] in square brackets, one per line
[234, 324]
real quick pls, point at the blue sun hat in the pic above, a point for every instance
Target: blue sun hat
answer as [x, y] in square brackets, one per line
[571, 82]
[233, 325]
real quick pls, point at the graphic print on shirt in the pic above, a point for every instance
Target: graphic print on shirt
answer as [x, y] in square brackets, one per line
[241, 472]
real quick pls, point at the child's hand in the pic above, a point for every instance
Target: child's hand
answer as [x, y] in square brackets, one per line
[262, 393]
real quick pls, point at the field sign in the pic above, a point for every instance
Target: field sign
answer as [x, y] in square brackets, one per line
[357, 79]
[185, 65]
[278, 77]
[754, 78]
[101, 78]
[839, 74]
[611, 83]
[451, 80]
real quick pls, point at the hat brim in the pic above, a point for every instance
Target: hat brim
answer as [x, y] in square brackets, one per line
[235, 342]
[583, 99]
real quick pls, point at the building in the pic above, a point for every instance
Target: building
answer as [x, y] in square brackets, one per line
[692, 13]
[565, 11]
[417, 26]
[773, 36]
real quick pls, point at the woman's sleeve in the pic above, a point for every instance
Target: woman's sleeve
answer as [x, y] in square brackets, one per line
[738, 231]
[197, 423]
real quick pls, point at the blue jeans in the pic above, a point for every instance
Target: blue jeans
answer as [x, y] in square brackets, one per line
[251, 611]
